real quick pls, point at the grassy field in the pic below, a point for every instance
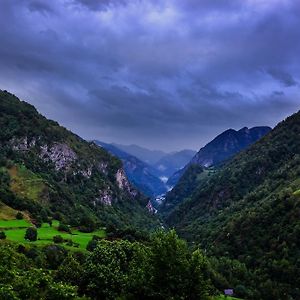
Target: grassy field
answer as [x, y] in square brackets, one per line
[26, 184]
[15, 231]
[8, 213]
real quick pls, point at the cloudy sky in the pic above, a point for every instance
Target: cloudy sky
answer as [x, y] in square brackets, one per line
[165, 74]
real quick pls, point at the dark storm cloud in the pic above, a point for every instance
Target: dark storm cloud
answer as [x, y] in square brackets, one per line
[100, 4]
[164, 74]
[285, 78]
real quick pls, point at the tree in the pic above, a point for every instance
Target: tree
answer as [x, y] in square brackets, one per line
[175, 268]
[31, 234]
[63, 227]
[58, 239]
[19, 216]
[2, 235]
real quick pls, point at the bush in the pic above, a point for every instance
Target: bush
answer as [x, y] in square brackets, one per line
[92, 244]
[19, 216]
[58, 239]
[31, 234]
[2, 235]
[64, 227]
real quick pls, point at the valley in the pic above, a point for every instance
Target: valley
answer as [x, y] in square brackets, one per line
[74, 197]
[149, 150]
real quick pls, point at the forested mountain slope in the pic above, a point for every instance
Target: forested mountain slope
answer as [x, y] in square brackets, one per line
[219, 150]
[250, 210]
[49, 171]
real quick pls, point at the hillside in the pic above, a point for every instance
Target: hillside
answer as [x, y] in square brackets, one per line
[249, 211]
[50, 172]
[218, 151]
[228, 144]
[138, 172]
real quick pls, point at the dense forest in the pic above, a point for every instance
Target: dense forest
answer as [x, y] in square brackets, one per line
[248, 212]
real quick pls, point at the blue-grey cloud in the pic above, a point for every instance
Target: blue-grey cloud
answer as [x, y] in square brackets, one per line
[164, 74]
[285, 78]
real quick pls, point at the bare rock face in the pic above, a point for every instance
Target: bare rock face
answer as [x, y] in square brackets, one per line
[102, 167]
[105, 197]
[87, 173]
[60, 154]
[22, 144]
[150, 208]
[123, 183]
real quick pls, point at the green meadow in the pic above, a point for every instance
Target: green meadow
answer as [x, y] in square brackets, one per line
[15, 231]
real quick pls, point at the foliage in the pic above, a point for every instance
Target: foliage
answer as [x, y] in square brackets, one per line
[2, 235]
[31, 234]
[19, 216]
[113, 270]
[248, 211]
[58, 239]
[63, 227]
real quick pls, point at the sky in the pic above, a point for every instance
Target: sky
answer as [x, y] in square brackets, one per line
[162, 74]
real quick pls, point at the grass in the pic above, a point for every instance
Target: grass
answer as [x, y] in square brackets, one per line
[26, 184]
[14, 224]
[296, 193]
[15, 231]
[6, 212]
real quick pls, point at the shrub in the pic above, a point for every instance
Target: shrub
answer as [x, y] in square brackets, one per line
[58, 239]
[31, 234]
[19, 216]
[64, 227]
[2, 235]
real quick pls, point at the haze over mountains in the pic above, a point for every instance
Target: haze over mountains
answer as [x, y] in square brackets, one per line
[140, 174]
[155, 172]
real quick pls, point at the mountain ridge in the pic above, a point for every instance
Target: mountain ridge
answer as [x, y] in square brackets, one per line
[49, 171]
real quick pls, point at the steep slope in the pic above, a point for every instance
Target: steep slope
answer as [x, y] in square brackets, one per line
[220, 149]
[49, 171]
[172, 162]
[139, 173]
[228, 144]
[249, 210]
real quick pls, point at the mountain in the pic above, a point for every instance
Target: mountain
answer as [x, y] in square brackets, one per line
[248, 212]
[150, 157]
[139, 173]
[172, 162]
[223, 147]
[48, 171]
[228, 144]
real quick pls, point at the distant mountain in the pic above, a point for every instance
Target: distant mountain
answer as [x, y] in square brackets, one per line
[223, 147]
[248, 210]
[151, 157]
[228, 144]
[47, 171]
[172, 162]
[140, 174]
[158, 163]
